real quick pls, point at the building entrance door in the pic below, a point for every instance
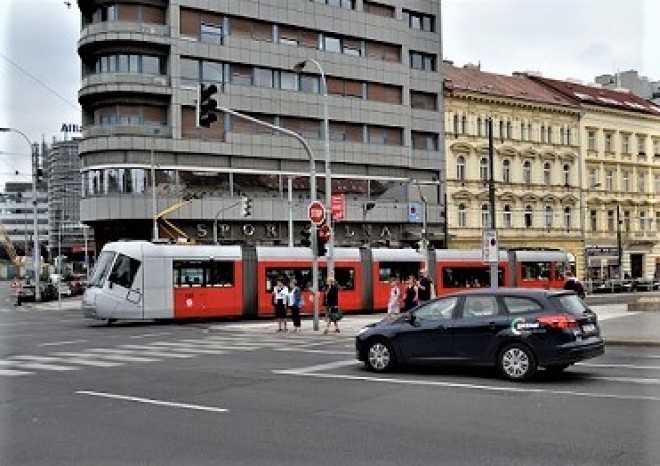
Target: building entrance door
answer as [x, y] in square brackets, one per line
[637, 265]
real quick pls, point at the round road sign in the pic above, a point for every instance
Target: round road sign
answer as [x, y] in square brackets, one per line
[316, 212]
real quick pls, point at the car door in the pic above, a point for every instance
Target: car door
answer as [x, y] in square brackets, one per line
[427, 336]
[480, 319]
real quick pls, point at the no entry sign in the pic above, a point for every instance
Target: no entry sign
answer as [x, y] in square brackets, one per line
[316, 212]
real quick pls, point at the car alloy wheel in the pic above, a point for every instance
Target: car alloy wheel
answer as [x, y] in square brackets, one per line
[517, 362]
[379, 356]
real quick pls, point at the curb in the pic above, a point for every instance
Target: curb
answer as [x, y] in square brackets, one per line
[635, 343]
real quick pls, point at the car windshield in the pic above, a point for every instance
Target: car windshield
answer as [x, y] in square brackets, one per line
[571, 304]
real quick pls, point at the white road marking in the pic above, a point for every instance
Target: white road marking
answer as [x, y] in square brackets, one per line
[312, 371]
[45, 367]
[58, 343]
[320, 367]
[305, 350]
[634, 380]
[147, 335]
[151, 351]
[619, 366]
[14, 372]
[615, 315]
[186, 348]
[120, 355]
[171, 404]
[71, 360]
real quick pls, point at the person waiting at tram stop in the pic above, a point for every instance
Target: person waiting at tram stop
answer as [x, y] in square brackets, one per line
[425, 288]
[332, 313]
[280, 299]
[295, 303]
[573, 284]
[410, 299]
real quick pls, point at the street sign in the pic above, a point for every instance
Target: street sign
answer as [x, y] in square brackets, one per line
[338, 205]
[490, 250]
[316, 212]
[413, 212]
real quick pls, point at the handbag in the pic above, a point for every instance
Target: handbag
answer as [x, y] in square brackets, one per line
[335, 314]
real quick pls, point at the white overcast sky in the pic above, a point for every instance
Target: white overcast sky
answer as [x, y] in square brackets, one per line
[560, 38]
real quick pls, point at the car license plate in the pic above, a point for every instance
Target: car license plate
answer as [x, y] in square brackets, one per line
[588, 328]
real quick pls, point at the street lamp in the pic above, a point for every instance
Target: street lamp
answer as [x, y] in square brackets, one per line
[35, 224]
[328, 175]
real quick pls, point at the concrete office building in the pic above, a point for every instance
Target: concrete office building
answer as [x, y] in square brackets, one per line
[143, 63]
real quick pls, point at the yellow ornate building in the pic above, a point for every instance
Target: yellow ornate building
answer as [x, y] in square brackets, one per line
[536, 161]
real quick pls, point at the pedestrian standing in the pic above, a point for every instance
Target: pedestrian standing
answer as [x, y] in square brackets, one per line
[295, 303]
[332, 313]
[410, 294]
[280, 298]
[573, 284]
[394, 302]
[425, 288]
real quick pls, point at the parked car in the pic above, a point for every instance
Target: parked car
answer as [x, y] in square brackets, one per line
[614, 285]
[515, 329]
[27, 293]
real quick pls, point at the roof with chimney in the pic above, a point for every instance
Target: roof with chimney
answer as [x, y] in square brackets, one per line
[588, 94]
[470, 78]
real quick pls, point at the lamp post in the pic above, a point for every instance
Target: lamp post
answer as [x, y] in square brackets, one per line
[35, 225]
[328, 174]
[494, 263]
[619, 244]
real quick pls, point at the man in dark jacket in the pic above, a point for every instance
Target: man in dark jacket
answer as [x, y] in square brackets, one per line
[574, 285]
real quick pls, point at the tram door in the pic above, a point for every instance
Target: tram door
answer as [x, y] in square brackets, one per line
[123, 288]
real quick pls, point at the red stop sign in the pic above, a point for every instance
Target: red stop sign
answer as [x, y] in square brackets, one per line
[316, 212]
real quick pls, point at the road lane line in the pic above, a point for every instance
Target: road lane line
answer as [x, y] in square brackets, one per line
[136, 399]
[634, 380]
[119, 355]
[151, 351]
[319, 351]
[71, 360]
[147, 335]
[310, 372]
[619, 366]
[45, 367]
[185, 348]
[14, 372]
[321, 367]
[58, 343]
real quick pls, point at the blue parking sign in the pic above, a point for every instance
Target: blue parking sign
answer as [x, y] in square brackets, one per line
[413, 212]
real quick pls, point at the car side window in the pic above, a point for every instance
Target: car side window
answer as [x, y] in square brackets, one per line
[441, 309]
[516, 305]
[480, 306]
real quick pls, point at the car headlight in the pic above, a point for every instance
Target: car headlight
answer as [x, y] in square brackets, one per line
[362, 330]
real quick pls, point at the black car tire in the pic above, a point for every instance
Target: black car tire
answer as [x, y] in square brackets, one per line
[516, 362]
[556, 368]
[380, 356]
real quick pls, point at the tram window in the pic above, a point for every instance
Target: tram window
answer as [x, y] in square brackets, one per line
[560, 270]
[400, 270]
[469, 277]
[203, 274]
[536, 270]
[303, 276]
[102, 267]
[124, 271]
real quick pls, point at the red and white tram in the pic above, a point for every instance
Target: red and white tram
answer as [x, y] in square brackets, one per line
[142, 280]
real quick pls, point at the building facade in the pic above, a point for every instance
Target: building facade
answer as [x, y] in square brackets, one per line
[142, 152]
[641, 86]
[536, 174]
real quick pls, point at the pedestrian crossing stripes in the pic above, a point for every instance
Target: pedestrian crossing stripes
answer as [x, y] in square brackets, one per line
[152, 352]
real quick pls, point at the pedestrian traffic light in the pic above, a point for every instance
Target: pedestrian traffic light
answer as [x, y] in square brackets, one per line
[322, 238]
[246, 206]
[206, 105]
[305, 238]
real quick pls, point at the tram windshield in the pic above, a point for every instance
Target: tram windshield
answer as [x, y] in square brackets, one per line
[102, 268]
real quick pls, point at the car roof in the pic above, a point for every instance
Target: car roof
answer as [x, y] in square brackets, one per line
[538, 293]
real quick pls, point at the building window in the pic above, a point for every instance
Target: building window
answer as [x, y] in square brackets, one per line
[567, 174]
[625, 144]
[211, 34]
[642, 221]
[591, 140]
[485, 216]
[423, 100]
[332, 44]
[506, 171]
[509, 130]
[549, 214]
[641, 183]
[424, 141]
[262, 77]
[610, 220]
[288, 81]
[547, 173]
[656, 147]
[460, 168]
[523, 131]
[377, 9]
[567, 218]
[609, 180]
[422, 61]
[419, 21]
[501, 125]
[464, 125]
[625, 178]
[507, 216]
[626, 220]
[484, 169]
[309, 83]
[479, 129]
[568, 136]
[608, 142]
[529, 131]
[543, 133]
[462, 216]
[562, 136]
[456, 123]
[656, 184]
[527, 172]
[593, 220]
[593, 178]
[529, 216]
[550, 140]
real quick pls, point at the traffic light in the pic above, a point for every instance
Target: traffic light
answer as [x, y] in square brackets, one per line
[246, 206]
[206, 105]
[305, 238]
[322, 238]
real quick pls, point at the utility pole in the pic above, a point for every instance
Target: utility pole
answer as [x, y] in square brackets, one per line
[619, 245]
[494, 262]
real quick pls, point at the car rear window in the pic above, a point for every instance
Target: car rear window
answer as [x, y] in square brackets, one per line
[570, 304]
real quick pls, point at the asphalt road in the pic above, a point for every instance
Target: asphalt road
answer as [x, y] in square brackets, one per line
[73, 392]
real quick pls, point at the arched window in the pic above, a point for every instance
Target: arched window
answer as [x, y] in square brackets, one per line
[462, 216]
[527, 172]
[460, 168]
[548, 216]
[506, 171]
[484, 169]
[485, 216]
[507, 216]
[529, 215]
[547, 173]
[567, 218]
[567, 174]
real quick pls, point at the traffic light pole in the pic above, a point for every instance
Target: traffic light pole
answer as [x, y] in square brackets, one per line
[312, 195]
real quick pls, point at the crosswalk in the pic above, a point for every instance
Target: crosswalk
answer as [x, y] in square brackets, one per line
[151, 352]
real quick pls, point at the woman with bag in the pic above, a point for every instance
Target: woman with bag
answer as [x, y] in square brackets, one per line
[295, 303]
[280, 297]
[333, 314]
[393, 304]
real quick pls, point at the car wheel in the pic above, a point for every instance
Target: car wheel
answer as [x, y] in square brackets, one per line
[556, 368]
[380, 356]
[517, 362]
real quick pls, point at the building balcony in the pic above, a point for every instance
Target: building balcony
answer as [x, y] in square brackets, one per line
[125, 78]
[119, 29]
[92, 131]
